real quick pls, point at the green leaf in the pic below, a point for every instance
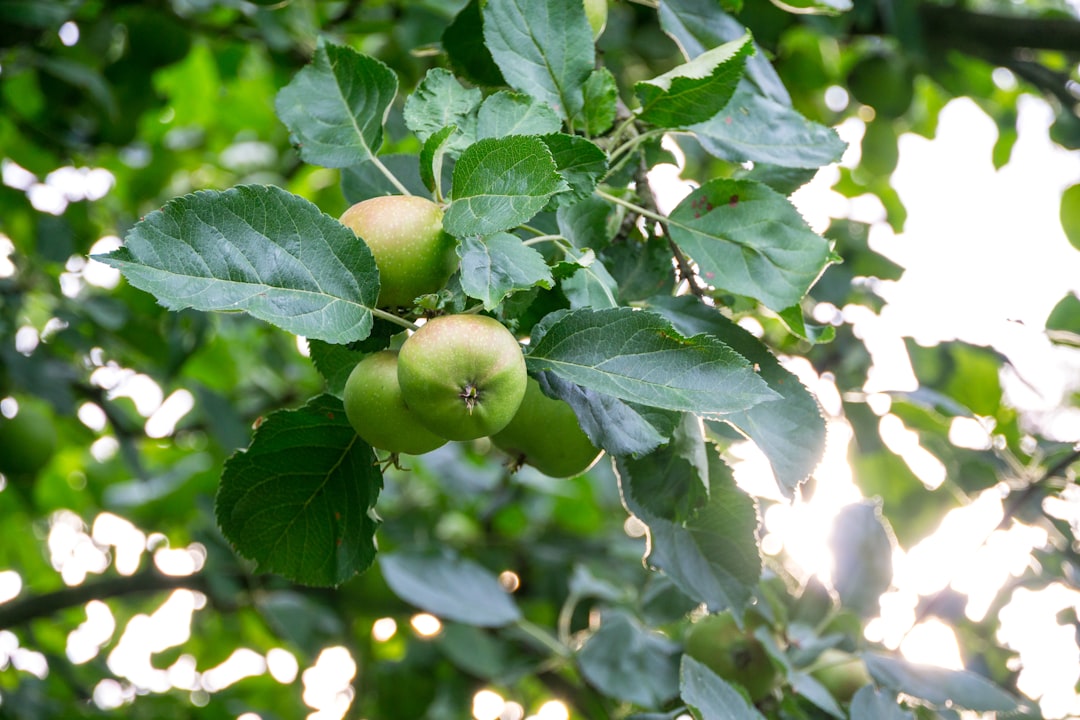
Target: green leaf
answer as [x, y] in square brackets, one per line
[591, 286]
[492, 267]
[580, 163]
[869, 703]
[793, 318]
[959, 689]
[463, 41]
[439, 101]
[809, 687]
[626, 661]
[814, 7]
[365, 180]
[638, 357]
[259, 249]
[500, 183]
[696, 90]
[617, 427]
[709, 696]
[1063, 323]
[748, 239]
[697, 25]
[1070, 214]
[334, 363]
[544, 49]
[508, 113]
[297, 501]
[586, 223]
[754, 127]
[601, 103]
[432, 156]
[790, 431]
[665, 484]
[336, 106]
[712, 556]
[862, 549]
[449, 586]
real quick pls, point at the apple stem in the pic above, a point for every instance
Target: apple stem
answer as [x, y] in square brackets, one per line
[631, 206]
[390, 176]
[390, 317]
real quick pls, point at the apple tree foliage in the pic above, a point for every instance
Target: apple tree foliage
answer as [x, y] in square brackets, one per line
[236, 132]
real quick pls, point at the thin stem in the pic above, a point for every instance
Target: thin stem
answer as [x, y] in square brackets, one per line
[534, 231]
[566, 614]
[390, 317]
[543, 637]
[556, 239]
[632, 207]
[390, 176]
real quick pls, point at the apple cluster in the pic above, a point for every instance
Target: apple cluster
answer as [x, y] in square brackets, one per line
[458, 377]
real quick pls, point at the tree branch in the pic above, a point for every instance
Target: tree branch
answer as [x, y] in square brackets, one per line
[150, 580]
[1001, 33]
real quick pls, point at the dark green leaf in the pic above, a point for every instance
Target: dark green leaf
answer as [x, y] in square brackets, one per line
[591, 286]
[611, 424]
[492, 267]
[544, 49]
[449, 586]
[334, 363]
[508, 113]
[753, 127]
[258, 249]
[958, 689]
[748, 239]
[796, 323]
[500, 183]
[1063, 323]
[586, 223]
[463, 41]
[626, 661]
[432, 156]
[811, 688]
[862, 555]
[297, 501]
[712, 556]
[365, 180]
[440, 101]
[790, 431]
[601, 103]
[709, 696]
[581, 164]
[336, 106]
[696, 90]
[638, 357]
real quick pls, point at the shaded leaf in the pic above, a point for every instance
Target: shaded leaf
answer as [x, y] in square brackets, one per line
[625, 660]
[449, 586]
[365, 180]
[336, 106]
[440, 101]
[862, 550]
[465, 47]
[869, 703]
[791, 430]
[601, 103]
[591, 286]
[297, 501]
[258, 249]
[580, 163]
[709, 696]
[958, 689]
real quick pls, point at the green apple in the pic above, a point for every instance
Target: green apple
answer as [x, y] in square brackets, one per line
[841, 673]
[596, 12]
[732, 653]
[545, 434]
[462, 375]
[376, 411]
[413, 253]
[27, 440]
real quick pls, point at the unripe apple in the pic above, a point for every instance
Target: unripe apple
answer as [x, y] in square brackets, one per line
[841, 673]
[545, 434]
[733, 654]
[462, 375]
[415, 256]
[376, 411]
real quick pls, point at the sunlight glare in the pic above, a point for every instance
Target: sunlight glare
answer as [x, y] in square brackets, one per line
[85, 642]
[242, 663]
[162, 423]
[129, 541]
[932, 642]
[10, 585]
[487, 705]
[383, 629]
[282, 665]
[426, 625]
[553, 710]
[327, 684]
